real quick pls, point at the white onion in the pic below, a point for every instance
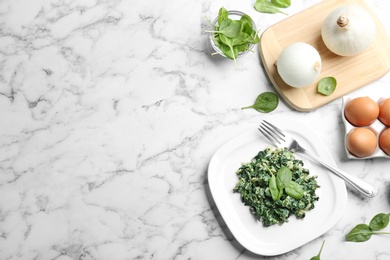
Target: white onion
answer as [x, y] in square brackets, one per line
[299, 64]
[348, 30]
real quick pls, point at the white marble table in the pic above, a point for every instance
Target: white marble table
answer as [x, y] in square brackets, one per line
[109, 114]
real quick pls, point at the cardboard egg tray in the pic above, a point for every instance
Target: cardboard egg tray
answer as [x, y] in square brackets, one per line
[377, 127]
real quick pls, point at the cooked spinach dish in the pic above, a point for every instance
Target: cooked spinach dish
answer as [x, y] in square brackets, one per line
[275, 185]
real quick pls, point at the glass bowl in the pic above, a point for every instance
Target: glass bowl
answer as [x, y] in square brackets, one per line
[234, 15]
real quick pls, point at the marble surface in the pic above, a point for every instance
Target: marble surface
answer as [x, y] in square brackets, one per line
[110, 112]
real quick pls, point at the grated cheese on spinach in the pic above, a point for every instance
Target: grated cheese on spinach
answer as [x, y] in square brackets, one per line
[254, 186]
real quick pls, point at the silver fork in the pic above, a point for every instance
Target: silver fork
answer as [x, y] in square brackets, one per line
[281, 139]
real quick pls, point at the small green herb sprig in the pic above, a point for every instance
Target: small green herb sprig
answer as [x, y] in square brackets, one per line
[271, 7]
[318, 257]
[233, 36]
[363, 232]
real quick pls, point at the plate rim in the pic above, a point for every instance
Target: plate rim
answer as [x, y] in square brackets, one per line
[238, 234]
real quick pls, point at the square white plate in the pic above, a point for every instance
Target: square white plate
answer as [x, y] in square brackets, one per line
[276, 239]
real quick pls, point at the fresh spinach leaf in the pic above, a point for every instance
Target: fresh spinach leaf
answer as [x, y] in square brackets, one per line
[229, 51]
[283, 181]
[239, 39]
[280, 194]
[281, 3]
[273, 188]
[233, 36]
[360, 233]
[223, 15]
[228, 47]
[327, 86]
[363, 232]
[255, 37]
[265, 102]
[318, 257]
[242, 47]
[246, 19]
[231, 30]
[248, 34]
[264, 6]
[380, 221]
[225, 23]
[283, 177]
[226, 40]
[294, 190]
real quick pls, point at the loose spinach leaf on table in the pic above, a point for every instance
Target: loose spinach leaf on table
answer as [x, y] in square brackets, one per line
[360, 233]
[363, 232]
[318, 257]
[281, 3]
[379, 222]
[327, 85]
[265, 102]
[265, 6]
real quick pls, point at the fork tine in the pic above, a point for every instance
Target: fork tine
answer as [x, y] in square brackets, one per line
[268, 136]
[274, 128]
[274, 133]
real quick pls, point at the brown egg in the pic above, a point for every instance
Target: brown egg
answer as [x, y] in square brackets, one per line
[384, 112]
[361, 142]
[384, 141]
[361, 111]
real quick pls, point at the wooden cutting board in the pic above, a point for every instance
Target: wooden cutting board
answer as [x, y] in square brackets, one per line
[351, 73]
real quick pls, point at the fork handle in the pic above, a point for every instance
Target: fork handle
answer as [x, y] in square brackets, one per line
[361, 186]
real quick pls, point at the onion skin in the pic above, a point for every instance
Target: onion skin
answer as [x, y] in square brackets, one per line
[348, 30]
[299, 64]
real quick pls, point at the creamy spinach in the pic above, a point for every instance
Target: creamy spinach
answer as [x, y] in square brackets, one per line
[254, 186]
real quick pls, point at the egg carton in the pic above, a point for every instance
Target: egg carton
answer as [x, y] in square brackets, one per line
[377, 127]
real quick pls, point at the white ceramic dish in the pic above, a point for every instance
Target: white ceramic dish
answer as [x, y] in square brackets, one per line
[277, 239]
[377, 126]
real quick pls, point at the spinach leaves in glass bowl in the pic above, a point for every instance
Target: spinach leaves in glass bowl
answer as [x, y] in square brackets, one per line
[234, 34]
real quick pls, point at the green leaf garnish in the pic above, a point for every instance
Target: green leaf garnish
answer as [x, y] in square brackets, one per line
[283, 181]
[283, 177]
[294, 190]
[273, 188]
